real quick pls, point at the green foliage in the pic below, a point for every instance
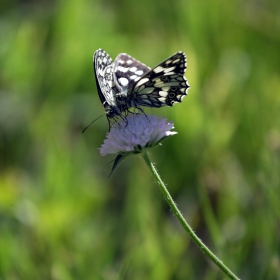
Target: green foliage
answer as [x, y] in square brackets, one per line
[60, 216]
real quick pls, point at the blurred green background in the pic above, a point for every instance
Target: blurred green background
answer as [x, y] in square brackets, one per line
[61, 217]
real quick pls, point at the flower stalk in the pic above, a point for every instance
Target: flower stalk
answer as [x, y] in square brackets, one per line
[184, 223]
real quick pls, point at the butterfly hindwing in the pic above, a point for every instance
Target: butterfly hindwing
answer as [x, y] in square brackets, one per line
[164, 85]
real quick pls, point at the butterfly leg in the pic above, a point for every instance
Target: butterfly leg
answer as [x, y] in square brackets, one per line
[142, 112]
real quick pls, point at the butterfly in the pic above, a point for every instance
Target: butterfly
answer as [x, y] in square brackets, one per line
[127, 83]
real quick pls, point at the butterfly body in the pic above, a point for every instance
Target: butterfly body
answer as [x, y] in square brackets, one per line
[128, 83]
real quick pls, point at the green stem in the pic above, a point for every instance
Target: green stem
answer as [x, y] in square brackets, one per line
[183, 222]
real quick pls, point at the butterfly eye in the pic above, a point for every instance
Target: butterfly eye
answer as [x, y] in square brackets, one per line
[173, 88]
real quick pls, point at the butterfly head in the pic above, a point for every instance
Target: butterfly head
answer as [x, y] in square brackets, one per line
[112, 111]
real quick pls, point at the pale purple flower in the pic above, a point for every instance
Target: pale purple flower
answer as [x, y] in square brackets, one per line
[136, 133]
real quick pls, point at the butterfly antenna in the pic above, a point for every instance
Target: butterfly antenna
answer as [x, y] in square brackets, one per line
[92, 123]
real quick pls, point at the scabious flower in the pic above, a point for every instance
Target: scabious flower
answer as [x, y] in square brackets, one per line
[135, 134]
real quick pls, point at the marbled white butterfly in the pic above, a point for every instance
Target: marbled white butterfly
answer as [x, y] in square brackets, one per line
[128, 83]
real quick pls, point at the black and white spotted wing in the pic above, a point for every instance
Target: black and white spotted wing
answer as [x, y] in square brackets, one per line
[103, 71]
[164, 85]
[127, 71]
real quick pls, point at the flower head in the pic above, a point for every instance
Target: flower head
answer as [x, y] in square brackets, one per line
[136, 133]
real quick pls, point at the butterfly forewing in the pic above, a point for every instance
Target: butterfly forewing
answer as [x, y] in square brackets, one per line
[164, 85]
[127, 71]
[103, 71]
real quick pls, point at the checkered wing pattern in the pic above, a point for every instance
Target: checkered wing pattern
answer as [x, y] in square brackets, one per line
[103, 71]
[127, 71]
[164, 85]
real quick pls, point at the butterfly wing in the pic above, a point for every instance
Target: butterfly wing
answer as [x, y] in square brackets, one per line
[103, 71]
[164, 85]
[127, 71]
